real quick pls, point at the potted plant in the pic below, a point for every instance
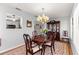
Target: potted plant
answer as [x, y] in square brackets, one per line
[44, 31]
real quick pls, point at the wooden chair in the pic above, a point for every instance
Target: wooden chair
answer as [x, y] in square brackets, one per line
[51, 39]
[48, 35]
[28, 44]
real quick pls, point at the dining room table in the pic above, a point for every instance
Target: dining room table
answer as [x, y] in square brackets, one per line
[40, 40]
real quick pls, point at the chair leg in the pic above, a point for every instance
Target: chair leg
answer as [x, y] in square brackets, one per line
[43, 49]
[26, 53]
[51, 50]
[53, 47]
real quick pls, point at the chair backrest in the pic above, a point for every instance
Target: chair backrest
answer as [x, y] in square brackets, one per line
[28, 42]
[54, 35]
[27, 38]
[34, 33]
[53, 38]
[49, 34]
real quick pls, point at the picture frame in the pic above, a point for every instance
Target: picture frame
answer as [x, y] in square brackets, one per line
[13, 21]
[29, 23]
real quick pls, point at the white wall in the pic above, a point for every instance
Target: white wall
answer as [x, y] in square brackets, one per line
[75, 29]
[64, 25]
[13, 37]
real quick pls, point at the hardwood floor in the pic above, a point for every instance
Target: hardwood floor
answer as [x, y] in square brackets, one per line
[68, 47]
[21, 50]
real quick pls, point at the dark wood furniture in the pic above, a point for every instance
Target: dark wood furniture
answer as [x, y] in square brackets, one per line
[51, 40]
[46, 42]
[40, 40]
[54, 26]
[29, 46]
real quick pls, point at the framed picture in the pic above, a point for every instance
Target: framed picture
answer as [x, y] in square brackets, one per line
[13, 21]
[29, 23]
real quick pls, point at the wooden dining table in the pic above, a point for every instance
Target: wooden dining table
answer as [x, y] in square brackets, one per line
[40, 40]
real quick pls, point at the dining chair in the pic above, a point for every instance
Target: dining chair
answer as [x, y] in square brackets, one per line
[28, 44]
[51, 40]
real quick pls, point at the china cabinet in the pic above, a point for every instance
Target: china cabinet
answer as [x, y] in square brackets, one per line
[54, 26]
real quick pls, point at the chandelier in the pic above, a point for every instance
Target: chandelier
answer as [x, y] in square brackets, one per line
[43, 18]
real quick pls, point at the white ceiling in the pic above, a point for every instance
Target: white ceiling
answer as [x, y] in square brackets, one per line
[51, 9]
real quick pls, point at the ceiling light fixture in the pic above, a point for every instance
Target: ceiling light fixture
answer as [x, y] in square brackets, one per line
[43, 19]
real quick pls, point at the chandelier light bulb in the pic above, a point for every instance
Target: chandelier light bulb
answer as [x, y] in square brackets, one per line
[43, 18]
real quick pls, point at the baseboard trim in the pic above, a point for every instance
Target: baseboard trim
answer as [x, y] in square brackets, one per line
[9, 49]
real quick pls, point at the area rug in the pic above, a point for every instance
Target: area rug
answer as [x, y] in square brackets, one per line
[60, 49]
